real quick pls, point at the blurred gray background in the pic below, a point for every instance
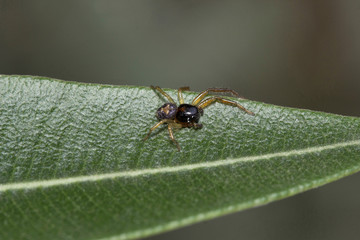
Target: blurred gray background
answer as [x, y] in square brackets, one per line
[300, 53]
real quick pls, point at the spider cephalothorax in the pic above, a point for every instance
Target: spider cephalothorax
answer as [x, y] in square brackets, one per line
[188, 115]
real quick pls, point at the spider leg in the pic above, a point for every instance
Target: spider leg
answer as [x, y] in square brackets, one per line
[170, 127]
[156, 126]
[205, 103]
[203, 94]
[163, 93]
[180, 96]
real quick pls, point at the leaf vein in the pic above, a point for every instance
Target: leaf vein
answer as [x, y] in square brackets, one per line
[187, 167]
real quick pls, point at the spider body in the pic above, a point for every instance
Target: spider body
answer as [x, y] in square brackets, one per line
[167, 111]
[188, 115]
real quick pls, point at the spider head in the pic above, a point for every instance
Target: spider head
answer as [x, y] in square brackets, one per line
[167, 111]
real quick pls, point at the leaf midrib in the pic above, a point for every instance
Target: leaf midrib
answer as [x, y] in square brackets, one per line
[232, 208]
[137, 173]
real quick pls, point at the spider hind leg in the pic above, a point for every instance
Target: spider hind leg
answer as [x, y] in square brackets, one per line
[155, 127]
[171, 134]
[157, 88]
[180, 96]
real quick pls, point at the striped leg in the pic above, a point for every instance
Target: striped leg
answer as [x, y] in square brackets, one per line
[180, 96]
[163, 93]
[205, 103]
[203, 94]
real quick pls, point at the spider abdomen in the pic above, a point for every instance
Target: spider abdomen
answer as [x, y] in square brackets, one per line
[187, 113]
[167, 111]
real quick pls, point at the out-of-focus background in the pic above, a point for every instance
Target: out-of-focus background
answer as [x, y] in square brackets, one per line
[300, 53]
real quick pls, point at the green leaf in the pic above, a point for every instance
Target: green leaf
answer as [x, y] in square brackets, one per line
[73, 164]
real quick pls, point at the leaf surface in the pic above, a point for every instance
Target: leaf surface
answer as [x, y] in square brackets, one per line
[73, 164]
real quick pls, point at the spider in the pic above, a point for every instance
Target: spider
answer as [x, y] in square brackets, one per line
[188, 115]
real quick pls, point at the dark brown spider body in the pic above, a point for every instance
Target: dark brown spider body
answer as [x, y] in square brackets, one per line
[188, 115]
[167, 111]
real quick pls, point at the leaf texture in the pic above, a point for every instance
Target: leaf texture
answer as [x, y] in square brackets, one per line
[73, 164]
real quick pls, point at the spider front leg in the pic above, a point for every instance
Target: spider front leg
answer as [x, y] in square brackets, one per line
[203, 94]
[180, 96]
[205, 103]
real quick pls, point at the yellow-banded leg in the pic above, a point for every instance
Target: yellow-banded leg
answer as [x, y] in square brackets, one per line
[203, 94]
[163, 93]
[171, 125]
[180, 96]
[156, 126]
[205, 103]
[170, 128]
